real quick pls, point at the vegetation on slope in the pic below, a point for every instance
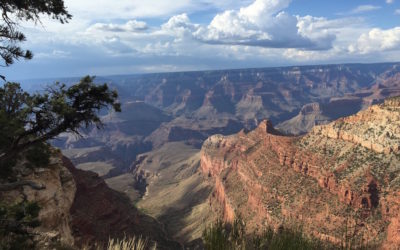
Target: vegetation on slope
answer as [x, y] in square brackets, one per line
[225, 236]
[128, 244]
[15, 222]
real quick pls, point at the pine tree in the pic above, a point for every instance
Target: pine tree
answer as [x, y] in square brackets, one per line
[15, 11]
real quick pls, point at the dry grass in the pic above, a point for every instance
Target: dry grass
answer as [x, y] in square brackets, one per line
[135, 243]
[128, 244]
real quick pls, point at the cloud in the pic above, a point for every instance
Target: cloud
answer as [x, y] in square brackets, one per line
[377, 40]
[125, 9]
[389, 1]
[364, 8]
[179, 26]
[397, 12]
[130, 26]
[302, 55]
[107, 37]
[136, 9]
[115, 47]
[262, 23]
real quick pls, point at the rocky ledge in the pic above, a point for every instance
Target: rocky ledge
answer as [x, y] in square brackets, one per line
[376, 128]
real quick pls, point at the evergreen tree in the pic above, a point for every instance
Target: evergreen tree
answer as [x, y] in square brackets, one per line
[14, 11]
[30, 120]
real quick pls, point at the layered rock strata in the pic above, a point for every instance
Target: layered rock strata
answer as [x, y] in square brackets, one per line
[341, 177]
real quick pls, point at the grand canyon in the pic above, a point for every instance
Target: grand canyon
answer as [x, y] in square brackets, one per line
[199, 125]
[316, 146]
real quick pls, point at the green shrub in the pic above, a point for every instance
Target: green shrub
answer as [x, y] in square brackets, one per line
[216, 237]
[223, 236]
[38, 155]
[15, 224]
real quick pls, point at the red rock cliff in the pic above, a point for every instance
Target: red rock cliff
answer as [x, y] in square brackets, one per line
[344, 173]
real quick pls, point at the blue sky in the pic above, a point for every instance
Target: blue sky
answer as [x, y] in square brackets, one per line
[135, 36]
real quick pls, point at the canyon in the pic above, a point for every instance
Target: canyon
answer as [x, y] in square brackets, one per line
[191, 147]
[191, 106]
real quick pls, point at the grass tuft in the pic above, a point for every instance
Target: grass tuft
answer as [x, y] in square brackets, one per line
[127, 244]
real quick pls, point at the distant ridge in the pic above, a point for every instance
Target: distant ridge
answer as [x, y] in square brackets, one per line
[116, 76]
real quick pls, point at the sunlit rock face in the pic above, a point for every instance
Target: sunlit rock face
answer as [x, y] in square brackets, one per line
[344, 172]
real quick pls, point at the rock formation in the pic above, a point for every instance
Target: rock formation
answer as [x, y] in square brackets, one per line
[341, 177]
[99, 213]
[54, 190]
[77, 207]
[313, 114]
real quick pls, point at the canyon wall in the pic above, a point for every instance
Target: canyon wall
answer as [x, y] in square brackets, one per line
[340, 175]
[77, 208]
[53, 188]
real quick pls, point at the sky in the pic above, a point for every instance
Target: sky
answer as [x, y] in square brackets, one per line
[134, 36]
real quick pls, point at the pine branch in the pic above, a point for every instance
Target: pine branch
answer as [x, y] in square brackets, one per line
[15, 185]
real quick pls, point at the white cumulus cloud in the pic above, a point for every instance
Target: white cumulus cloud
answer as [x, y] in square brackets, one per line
[244, 33]
[377, 40]
[263, 23]
[179, 26]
